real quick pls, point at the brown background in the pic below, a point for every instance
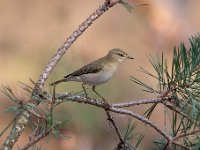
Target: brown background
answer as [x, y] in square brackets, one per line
[32, 30]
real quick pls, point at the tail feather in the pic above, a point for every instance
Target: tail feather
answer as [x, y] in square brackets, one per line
[58, 82]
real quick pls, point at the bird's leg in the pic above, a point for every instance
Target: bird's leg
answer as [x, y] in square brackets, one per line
[93, 88]
[84, 89]
[105, 101]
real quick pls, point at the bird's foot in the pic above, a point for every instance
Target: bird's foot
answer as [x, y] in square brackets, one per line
[85, 92]
[106, 103]
[86, 95]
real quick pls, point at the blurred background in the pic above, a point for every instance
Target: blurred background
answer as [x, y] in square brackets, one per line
[31, 31]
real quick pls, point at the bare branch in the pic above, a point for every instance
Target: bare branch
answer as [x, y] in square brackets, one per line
[4, 130]
[111, 120]
[141, 118]
[97, 103]
[138, 102]
[100, 104]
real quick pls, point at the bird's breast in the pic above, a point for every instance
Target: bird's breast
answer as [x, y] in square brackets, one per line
[100, 77]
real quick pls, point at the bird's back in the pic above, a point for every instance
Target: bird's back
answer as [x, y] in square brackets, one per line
[93, 67]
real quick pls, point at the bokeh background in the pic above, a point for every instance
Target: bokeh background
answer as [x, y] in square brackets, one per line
[32, 30]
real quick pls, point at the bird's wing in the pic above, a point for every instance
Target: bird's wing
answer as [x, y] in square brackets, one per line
[90, 68]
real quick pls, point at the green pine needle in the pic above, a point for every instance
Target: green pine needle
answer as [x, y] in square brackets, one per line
[129, 6]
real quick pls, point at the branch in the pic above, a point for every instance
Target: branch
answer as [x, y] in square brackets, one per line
[141, 118]
[187, 134]
[24, 118]
[118, 105]
[138, 102]
[167, 147]
[110, 118]
[39, 137]
[101, 104]
[179, 112]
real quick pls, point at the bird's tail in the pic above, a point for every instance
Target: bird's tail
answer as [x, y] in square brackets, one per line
[58, 82]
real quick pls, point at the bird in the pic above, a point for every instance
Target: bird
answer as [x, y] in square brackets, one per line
[98, 71]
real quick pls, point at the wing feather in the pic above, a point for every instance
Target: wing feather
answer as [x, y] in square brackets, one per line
[93, 67]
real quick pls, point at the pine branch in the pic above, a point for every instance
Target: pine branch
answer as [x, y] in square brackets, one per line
[40, 136]
[178, 91]
[185, 135]
[101, 104]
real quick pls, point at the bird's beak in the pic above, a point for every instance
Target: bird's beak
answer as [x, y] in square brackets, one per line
[129, 57]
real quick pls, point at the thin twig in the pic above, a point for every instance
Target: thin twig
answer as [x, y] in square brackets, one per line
[118, 105]
[138, 102]
[178, 111]
[39, 137]
[180, 145]
[187, 134]
[4, 130]
[169, 144]
[111, 120]
[141, 118]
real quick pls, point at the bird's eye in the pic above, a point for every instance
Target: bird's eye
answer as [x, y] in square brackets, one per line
[120, 54]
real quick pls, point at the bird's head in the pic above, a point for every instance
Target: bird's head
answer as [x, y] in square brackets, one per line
[118, 55]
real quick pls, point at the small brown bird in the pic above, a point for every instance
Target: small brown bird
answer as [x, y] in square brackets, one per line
[98, 71]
